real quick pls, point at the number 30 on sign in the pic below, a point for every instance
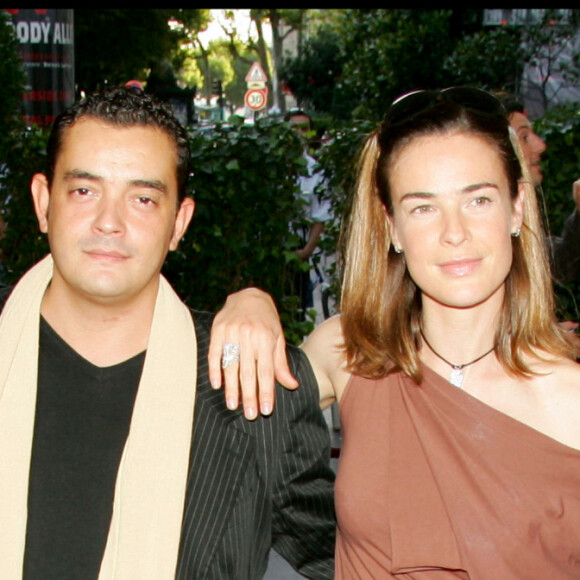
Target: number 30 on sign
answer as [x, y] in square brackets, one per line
[255, 99]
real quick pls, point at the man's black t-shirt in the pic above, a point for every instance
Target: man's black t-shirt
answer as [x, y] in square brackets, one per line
[83, 413]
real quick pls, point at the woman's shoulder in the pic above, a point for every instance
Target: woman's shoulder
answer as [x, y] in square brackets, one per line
[325, 350]
[566, 375]
[557, 394]
[325, 343]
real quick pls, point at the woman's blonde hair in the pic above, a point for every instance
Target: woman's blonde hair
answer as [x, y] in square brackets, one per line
[380, 303]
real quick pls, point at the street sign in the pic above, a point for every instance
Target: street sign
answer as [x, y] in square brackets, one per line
[256, 74]
[255, 99]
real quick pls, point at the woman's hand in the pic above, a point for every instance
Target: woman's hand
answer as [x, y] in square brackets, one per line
[250, 321]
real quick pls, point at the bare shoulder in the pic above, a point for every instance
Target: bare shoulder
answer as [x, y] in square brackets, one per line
[558, 392]
[324, 349]
[566, 377]
[330, 331]
[559, 371]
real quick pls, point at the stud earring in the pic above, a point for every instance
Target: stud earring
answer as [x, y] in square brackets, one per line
[517, 233]
[397, 249]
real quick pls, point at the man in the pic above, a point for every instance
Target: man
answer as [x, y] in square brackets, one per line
[565, 249]
[117, 459]
[316, 211]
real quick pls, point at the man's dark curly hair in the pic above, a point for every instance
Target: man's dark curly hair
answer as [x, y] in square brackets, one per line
[123, 107]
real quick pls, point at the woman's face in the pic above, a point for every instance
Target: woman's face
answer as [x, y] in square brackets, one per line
[453, 217]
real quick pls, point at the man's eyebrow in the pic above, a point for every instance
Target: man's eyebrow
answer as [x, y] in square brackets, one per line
[155, 184]
[81, 174]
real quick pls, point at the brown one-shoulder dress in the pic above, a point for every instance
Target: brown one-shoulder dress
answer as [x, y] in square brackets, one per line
[433, 484]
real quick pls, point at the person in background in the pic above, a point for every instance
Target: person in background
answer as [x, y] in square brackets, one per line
[565, 249]
[316, 211]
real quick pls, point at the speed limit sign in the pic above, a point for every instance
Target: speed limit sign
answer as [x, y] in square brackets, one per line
[255, 99]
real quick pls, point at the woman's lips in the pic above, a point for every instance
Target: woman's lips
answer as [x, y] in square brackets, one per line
[460, 267]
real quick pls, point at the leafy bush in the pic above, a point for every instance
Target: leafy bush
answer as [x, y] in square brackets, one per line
[244, 185]
[560, 128]
[22, 243]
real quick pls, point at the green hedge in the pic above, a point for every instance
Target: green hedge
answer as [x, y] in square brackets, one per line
[244, 185]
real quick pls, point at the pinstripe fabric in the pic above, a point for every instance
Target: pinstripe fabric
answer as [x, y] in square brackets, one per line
[253, 485]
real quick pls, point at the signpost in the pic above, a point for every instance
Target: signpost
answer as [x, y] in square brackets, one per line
[256, 96]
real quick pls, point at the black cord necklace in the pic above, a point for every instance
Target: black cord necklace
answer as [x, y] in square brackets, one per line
[456, 377]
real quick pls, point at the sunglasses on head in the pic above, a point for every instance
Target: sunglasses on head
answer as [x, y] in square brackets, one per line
[414, 103]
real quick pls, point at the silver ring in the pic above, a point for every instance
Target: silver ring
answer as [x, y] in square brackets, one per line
[230, 355]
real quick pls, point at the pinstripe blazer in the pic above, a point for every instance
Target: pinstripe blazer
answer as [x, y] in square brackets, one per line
[257, 484]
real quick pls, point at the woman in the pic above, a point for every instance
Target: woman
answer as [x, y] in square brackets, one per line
[458, 391]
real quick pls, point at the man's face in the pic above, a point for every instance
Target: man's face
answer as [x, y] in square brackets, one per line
[532, 144]
[111, 212]
[300, 123]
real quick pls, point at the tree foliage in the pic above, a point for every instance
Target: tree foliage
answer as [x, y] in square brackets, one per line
[313, 74]
[363, 58]
[490, 59]
[393, 51]
[114, 45]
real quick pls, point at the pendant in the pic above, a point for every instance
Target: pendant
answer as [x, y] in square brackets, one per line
[456, 377]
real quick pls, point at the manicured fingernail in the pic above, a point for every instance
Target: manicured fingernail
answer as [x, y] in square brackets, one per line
[231, 403]
[251, 413]
[215, 384]
[266, 408]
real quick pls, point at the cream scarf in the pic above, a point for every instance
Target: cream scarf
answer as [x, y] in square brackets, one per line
[145, 530]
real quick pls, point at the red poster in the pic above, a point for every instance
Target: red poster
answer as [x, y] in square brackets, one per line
[46, 41]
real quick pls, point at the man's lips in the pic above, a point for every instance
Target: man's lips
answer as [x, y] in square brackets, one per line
[105, 254]
[460, 267]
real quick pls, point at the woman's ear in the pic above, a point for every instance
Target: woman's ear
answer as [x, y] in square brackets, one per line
[393, 231]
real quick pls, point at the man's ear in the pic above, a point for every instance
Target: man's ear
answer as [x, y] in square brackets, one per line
[41, 197]
[182, 220]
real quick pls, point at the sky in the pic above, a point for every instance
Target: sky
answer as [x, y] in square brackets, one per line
[245, 27]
